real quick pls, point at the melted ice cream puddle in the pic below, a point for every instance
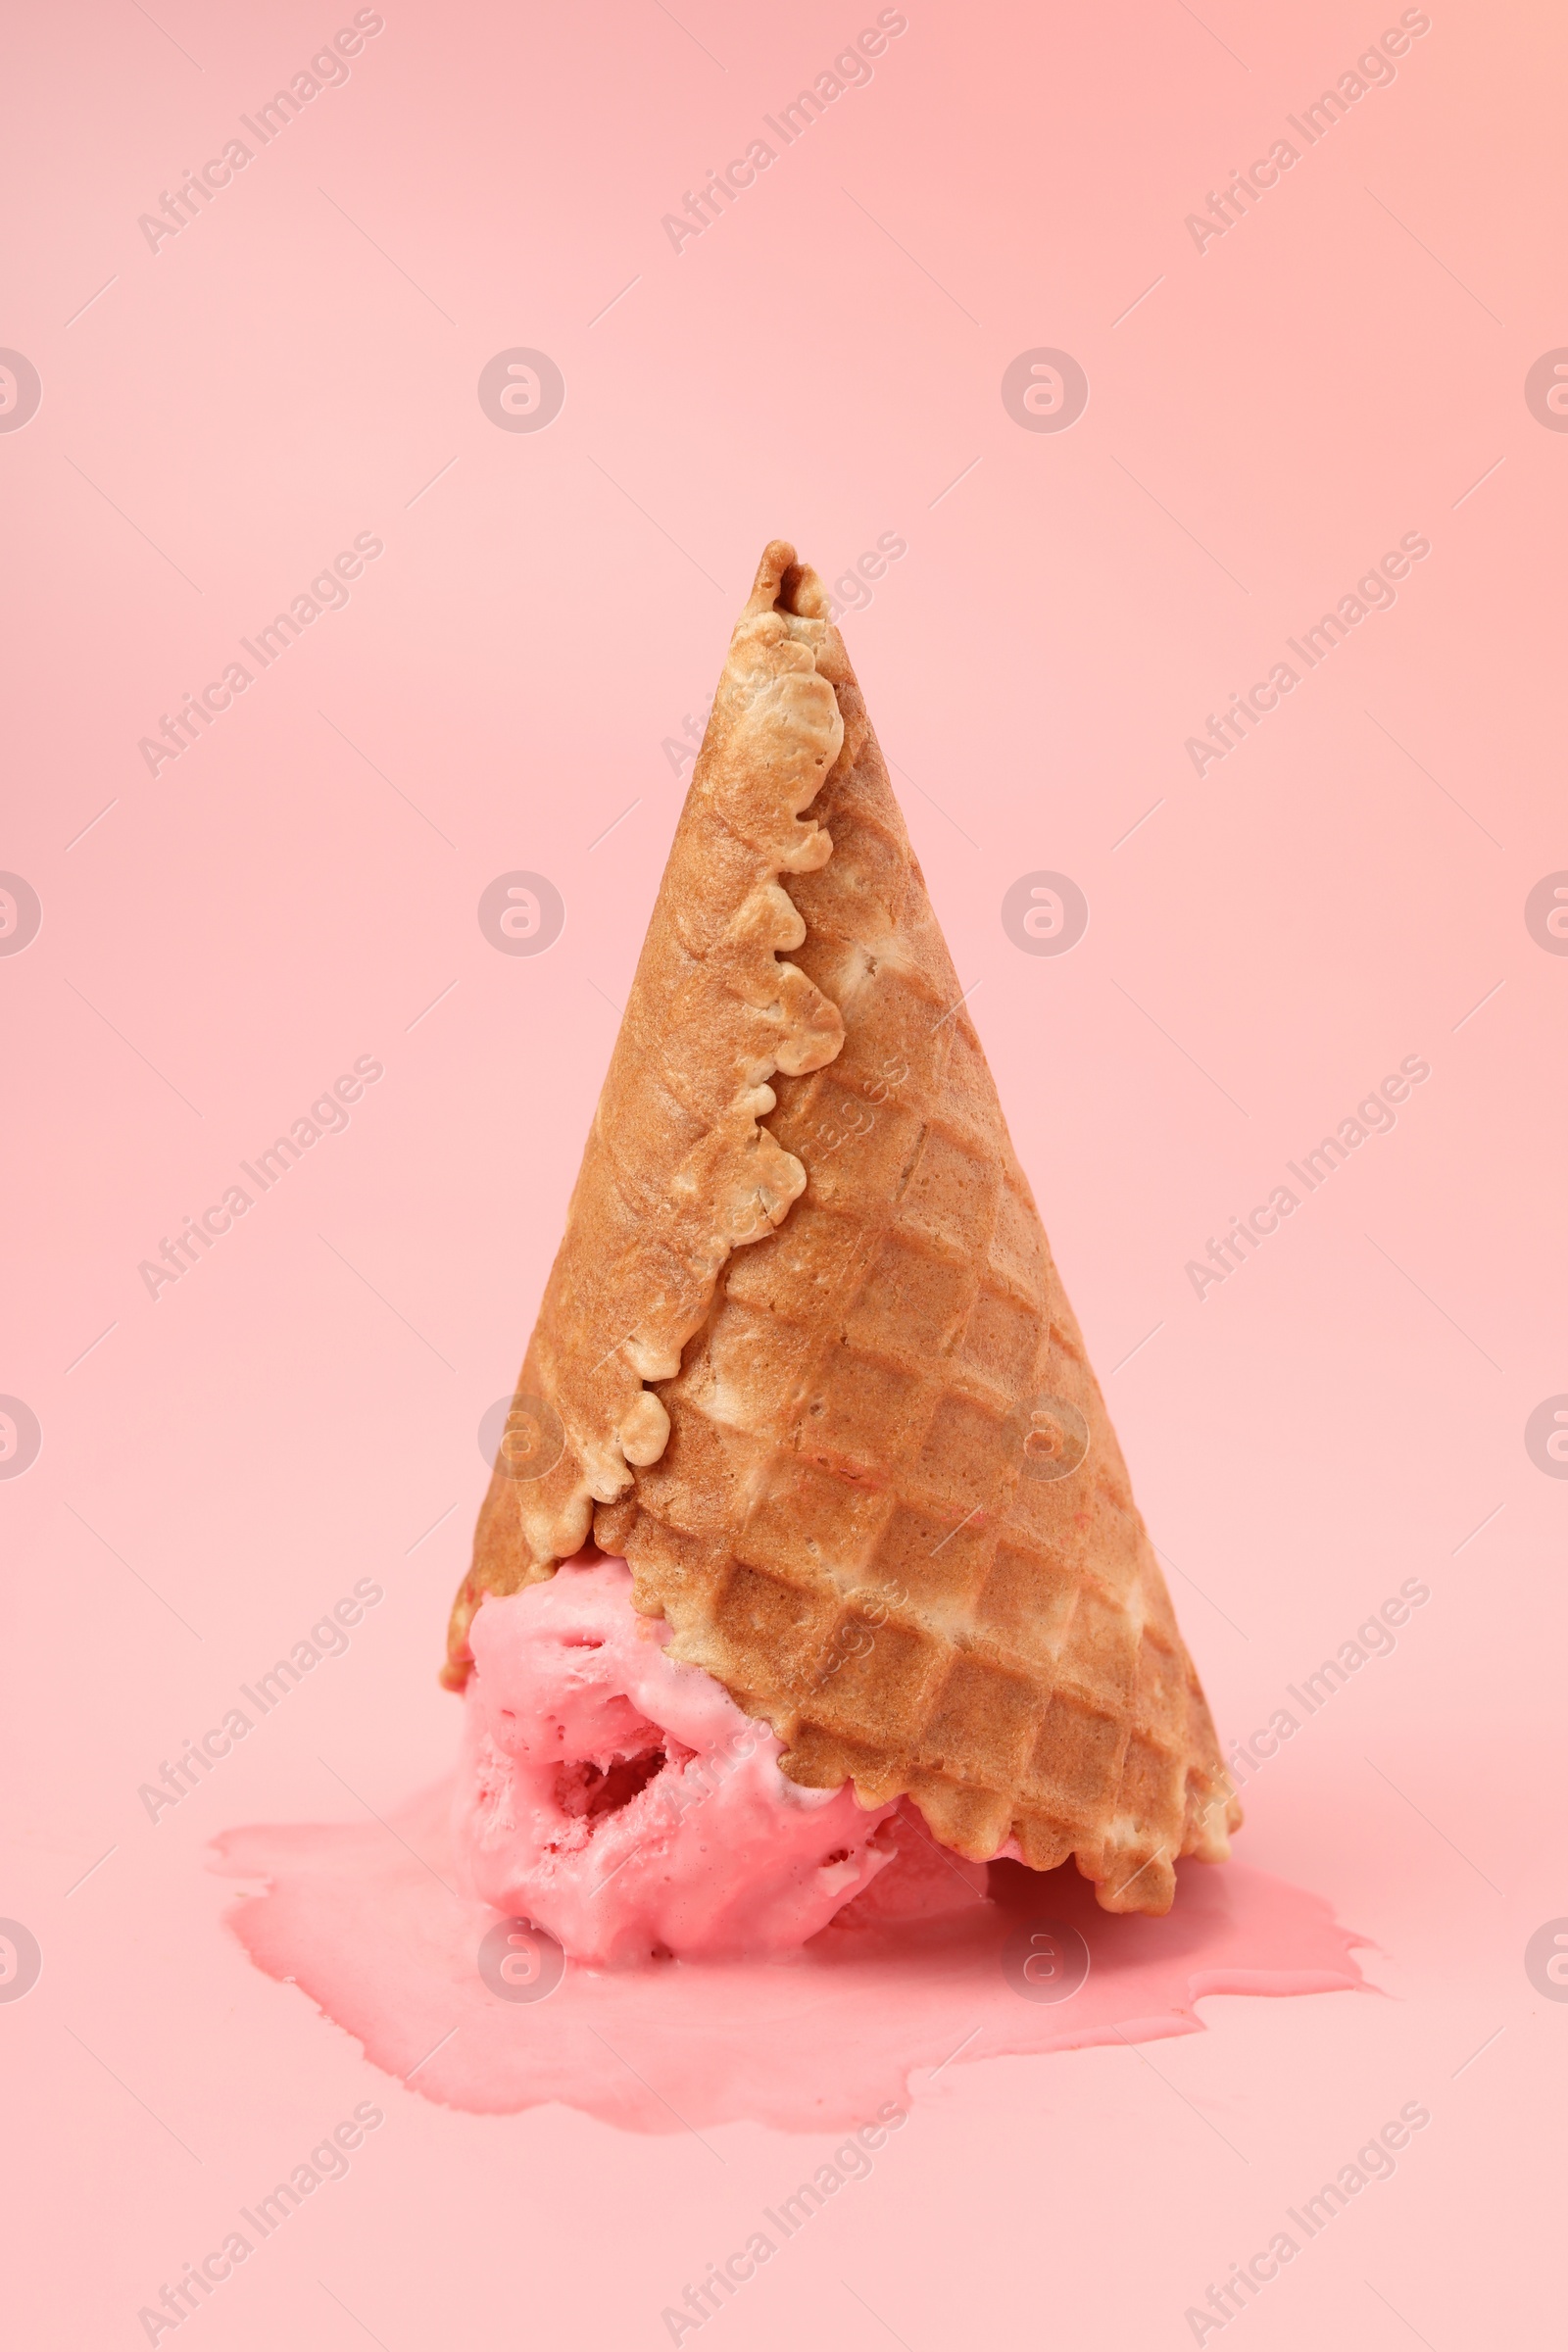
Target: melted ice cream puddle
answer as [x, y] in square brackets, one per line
[917, 1972]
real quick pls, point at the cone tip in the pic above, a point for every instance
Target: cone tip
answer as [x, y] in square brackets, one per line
[785, 584]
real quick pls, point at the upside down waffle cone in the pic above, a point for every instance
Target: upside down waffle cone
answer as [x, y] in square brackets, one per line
[804, 1357]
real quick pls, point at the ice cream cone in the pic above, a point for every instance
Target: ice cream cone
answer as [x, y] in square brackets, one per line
[804, 1359]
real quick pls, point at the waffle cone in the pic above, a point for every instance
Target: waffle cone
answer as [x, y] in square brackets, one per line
[804, 1357]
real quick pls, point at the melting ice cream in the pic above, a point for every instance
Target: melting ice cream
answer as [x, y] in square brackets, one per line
[622, 1800]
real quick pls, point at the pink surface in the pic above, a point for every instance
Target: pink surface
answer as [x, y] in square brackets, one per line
[475, 746]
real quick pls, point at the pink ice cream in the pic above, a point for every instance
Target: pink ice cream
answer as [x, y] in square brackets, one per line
[622, 1801]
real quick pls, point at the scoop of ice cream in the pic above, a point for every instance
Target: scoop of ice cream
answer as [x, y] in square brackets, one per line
[622, 1800]
[923, 1882]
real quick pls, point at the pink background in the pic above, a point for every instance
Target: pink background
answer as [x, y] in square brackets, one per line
[218, 942]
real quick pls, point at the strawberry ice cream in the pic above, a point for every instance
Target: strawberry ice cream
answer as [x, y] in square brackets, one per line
[620, 1799]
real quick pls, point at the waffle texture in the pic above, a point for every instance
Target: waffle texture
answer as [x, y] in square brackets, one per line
[817, 1380]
